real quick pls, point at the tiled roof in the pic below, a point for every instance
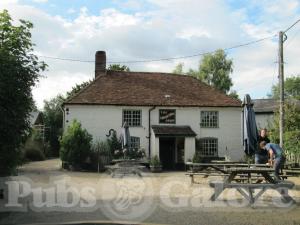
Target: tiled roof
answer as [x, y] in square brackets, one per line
[184, 131]
[265, 105]
[150, 89]
[270, 105]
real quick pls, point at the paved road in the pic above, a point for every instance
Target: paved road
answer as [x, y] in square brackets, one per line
[170, 200]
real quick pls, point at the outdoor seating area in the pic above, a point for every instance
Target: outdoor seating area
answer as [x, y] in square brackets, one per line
[245, 178]
[122, 168]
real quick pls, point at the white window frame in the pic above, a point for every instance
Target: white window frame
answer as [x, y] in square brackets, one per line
[135, 142]
[133, 117]
[209, 119]
[208, 147]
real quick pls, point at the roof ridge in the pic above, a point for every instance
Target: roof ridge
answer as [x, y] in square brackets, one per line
[148, 72]
[81, 90]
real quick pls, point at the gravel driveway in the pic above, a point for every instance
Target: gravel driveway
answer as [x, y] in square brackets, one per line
[165, 198]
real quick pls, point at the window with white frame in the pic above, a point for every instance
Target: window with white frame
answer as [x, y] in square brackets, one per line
[207, 146]
[134, 142]
[209, 119]
[132, 117]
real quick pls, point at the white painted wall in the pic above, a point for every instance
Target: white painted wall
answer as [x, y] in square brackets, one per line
[264, 120]
[189, 148]
[98, 120]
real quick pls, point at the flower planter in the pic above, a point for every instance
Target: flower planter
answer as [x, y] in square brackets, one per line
[155, 169]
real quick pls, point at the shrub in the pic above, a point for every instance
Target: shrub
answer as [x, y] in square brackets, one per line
[75, 144]
[115, 145]
[132, 153]
[291, 140]
[100, 155]
[34, 154]
[155, 161]
[33, 149]
[250, 159]
[136, 153]
[197, 158]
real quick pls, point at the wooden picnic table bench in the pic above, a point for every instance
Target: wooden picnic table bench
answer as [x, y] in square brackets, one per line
[247, 189]
[125, 168]
[220, 167]
[214, 169]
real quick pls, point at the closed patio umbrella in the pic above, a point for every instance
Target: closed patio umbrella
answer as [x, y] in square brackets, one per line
[125, 136]
[250, 133]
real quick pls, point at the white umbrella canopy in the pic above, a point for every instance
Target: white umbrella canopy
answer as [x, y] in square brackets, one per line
[125, 136]
[250, 133]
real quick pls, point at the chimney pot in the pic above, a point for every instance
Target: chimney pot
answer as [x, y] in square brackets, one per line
[100, 63]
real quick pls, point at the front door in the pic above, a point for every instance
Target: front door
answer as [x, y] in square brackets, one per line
[167, 152]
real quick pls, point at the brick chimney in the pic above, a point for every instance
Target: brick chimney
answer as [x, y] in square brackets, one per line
[100, 63]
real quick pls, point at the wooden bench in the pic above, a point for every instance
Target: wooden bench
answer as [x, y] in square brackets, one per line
[125, 169]
[292, 171]
[247, 189]
[241, 178]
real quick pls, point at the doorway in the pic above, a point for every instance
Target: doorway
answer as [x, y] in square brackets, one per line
[167, 152]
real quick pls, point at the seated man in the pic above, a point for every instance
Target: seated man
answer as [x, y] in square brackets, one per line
[276, 156]
[261, 155]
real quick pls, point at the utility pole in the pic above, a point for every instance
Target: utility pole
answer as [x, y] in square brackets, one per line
[282, 38]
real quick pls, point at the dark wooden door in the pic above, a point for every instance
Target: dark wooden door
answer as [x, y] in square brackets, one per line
[167, 153]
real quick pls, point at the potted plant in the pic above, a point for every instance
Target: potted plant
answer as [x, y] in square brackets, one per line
[155, 165]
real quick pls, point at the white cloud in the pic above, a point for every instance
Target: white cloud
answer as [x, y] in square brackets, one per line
[71, 11]
[40, 1]
[51, 85]
[171, 29]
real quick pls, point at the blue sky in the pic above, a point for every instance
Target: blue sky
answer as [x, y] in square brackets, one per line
[152, 29]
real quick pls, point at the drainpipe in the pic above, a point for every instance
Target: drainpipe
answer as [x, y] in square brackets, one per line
[63, 111]
[149, 129]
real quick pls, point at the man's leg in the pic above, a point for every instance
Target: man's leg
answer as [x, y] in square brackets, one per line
[277, 166]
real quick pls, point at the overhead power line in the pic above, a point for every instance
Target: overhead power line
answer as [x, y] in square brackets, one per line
[171, 58]
[291, 26]
[161, 59]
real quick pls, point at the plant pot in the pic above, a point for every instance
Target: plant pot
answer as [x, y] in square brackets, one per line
[155, 169]
[65, 165]
[75, 167]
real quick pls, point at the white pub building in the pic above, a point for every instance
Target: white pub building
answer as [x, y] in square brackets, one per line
[169, 115]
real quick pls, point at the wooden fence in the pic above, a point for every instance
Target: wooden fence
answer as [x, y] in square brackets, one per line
[293, 157]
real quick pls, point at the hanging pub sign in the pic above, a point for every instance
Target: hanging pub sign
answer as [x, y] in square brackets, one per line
[167, 116]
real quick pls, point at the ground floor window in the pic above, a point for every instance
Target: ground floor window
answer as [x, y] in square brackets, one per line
[134, 142]
[207, 146]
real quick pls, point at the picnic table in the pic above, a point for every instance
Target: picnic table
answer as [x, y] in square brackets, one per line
[214, 169]
[247, 189]
[125, 167]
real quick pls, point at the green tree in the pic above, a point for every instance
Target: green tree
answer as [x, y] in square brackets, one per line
[114, 144]
[53, 116]
[75, 144]
[291, 135]
[215, 70]
[178, 69]
[291, 88]
[53, 119]
[77, 88]
[234, 94]
[118, 67]
[20, 70]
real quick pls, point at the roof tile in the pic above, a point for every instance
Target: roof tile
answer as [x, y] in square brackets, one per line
[148, 89]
